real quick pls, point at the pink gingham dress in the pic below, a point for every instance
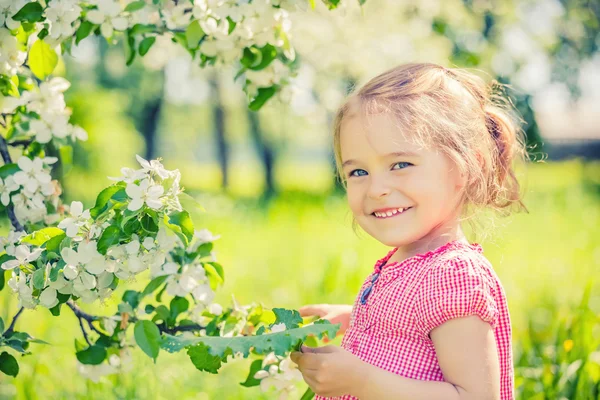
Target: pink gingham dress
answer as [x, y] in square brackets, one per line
[411, 297]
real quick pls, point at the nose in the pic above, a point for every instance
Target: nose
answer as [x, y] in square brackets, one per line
[378, 188]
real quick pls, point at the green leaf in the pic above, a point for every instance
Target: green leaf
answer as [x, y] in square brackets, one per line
[257, 58]
[261, 98]
[148, 338]
[31, 12]
[183, 220]
[42, 59]
[162, 313]
[181, 224]
[177, 306]
[138, 29]
[66, 158]
[291, 318]
[251, 380]
[131, 47]
[132, 298]
[40, 237]
[93, 355]
[309, 394]
[135, 6]
[8, 364]
[146, 44]
[204, 249]
[39, 278]
[53, 245]
[216, 274]
[331, 4]
[1, 325]
[55, 310]
[109, 237]
[2, 276]
[84, 31]
[149, 221]
[8, 169]
[153, 285]
[280, 342]
[114, 192]
[203, 360]
[194, 34]
[43, 33]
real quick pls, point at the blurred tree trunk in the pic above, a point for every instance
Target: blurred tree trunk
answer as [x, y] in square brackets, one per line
[219, 131]
[265, 151]
[149, 119]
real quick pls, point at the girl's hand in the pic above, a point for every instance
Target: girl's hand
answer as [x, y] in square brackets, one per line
[330, 370]
[335, 313]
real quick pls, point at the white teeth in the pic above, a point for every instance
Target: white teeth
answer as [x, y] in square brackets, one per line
[390, 213]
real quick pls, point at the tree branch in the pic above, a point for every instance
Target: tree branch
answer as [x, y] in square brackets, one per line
[82, 315]
[24, 143]
[11, 327]
[10, 208]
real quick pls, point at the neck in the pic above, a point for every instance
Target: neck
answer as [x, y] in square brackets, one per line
[429, 242]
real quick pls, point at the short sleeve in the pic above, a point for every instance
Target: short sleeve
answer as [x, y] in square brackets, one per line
[460, 287]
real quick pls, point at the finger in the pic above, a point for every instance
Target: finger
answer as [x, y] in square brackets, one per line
[319, 350]
[312, 309]
[305, 349]
[296, 356]
[307, 361]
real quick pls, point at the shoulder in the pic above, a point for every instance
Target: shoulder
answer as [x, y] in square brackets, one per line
[462, 264]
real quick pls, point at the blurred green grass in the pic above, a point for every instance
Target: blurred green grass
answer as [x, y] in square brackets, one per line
[300, 248]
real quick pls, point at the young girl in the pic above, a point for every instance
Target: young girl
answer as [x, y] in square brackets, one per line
[419, 148]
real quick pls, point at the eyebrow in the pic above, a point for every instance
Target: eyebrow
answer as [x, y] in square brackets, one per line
[394, 154]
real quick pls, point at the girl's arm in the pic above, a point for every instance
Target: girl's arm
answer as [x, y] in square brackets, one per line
[466, 350]
[467, 354]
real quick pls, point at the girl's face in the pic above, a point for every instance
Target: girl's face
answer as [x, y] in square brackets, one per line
[386, 174]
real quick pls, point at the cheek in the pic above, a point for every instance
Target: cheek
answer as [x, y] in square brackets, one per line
[354, 199]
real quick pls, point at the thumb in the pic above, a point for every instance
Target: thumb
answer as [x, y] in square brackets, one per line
[313, 309]
[320, 350]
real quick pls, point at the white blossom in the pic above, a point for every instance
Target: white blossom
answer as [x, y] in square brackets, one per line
[177, 16]
[8, 8]
[9, 243]
[108, 16]
[48, 297]
[78, 218]
[146, 193]
[18, 283]
[153, 166]
[282, 375]
[32, 173]
[7, 186]
[280, 327]
[23, 256]
[11, 58]
[129, 175]
[87, 258]
[61, 14]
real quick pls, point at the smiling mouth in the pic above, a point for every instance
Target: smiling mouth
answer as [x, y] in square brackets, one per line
[391, 213]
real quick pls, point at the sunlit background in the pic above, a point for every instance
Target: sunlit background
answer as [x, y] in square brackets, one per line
[267, 182]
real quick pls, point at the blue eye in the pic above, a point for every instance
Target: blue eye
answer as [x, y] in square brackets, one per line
[352, 173]
[406, 164]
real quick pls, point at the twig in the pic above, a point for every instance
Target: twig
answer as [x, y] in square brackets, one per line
[11, 327]
[79, 313]
[10, 208]
[185, 328]
[92, 327]
[24, 143]
[85, 336]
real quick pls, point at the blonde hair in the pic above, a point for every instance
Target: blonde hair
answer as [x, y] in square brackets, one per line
[456, 112]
